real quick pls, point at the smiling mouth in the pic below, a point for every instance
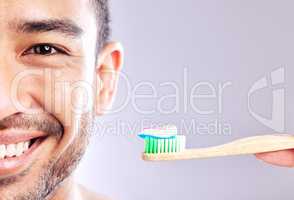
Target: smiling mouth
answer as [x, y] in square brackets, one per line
[18, 150]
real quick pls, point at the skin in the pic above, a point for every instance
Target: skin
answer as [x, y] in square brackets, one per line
[279, 158]
[73, 59]
[51, 175]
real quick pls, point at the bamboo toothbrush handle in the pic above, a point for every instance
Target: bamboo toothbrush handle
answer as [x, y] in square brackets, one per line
[250, 145]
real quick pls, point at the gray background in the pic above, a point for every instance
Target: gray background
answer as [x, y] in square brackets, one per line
[217, 41]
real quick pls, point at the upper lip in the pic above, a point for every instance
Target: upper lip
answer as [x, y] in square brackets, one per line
[13, 136]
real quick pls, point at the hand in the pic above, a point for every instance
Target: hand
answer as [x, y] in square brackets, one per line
[280, 158]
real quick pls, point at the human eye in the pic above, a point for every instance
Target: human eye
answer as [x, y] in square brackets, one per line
[44, 50]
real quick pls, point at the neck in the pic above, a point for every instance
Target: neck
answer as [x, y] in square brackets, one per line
[67, 190]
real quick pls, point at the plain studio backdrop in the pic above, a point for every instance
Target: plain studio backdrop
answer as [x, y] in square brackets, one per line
[194, 63]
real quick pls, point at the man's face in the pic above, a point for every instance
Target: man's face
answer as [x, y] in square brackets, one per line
[48, 86]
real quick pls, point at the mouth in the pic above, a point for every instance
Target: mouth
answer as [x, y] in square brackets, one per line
[18, 150]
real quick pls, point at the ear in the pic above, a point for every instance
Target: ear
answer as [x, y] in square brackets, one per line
[110, 61]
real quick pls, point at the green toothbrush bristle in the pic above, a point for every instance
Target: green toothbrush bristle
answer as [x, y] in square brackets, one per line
[172, 145]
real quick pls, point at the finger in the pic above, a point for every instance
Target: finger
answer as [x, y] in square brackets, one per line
[280, 158]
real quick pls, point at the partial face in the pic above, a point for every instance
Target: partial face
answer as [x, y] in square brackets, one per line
[50, 87]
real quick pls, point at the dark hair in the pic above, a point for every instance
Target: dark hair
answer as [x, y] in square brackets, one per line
[103, 20]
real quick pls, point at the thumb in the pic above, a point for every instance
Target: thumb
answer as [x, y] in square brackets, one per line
[279, 158]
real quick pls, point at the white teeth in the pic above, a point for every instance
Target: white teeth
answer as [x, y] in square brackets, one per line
[11, 150]
[26, 145]
[19, 148]
[2, 151]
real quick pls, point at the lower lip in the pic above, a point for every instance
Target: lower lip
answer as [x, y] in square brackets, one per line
[14, 165]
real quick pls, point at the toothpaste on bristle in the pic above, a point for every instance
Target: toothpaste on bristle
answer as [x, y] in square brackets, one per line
[163, 132]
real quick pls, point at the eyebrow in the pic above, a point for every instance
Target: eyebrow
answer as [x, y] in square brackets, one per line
[63, 26]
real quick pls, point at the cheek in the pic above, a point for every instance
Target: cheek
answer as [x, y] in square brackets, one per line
[27, 91]
[71, 96]
[67, 94]
[76, 136]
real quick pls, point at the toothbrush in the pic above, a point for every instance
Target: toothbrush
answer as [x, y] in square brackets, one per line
[163, 144]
